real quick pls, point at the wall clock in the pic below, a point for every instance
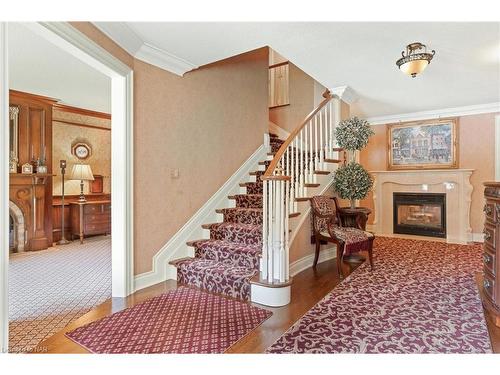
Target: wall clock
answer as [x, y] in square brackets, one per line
[81, 150]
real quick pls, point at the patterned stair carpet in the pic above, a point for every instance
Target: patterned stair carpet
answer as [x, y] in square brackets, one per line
[227, 261]
[181, 321]
[421, 298]
[50, 288]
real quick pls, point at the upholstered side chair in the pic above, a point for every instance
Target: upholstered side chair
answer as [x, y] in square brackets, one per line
[327, 226]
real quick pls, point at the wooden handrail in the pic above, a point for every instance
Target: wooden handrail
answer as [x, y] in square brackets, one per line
[268, 175]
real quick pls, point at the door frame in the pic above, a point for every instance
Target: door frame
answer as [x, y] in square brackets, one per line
[63, 35]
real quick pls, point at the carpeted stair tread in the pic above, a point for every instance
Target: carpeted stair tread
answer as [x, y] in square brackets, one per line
[228, 252]
[247, 234]
[253, 187]
[216, 277]
[248, 200]
[242, 215]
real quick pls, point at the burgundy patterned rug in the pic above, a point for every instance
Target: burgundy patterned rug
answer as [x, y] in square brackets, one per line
[421, 298]
[184, 320]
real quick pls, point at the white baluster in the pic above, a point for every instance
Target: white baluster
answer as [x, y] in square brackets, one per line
[286, 261]
[283, 220]
[301, 166]
[316, 149]
[337, 106]
[296, 184]
[310, 155]
[321, 156]
[272, 233]
[330, 121]
[263, 259]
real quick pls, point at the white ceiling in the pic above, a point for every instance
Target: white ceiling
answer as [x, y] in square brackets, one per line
[39, 67]
[465, 70]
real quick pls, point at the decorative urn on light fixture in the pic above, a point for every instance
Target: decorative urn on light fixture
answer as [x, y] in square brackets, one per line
[415, 60]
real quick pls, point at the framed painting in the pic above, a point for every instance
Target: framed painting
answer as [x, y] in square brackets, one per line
[428, 144]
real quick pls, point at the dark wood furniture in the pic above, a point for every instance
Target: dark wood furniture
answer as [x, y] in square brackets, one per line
[328, 226]
[57, 212]
[29, 193]
[354, 217]
[33, 193]
[491, 250]
[90, 218]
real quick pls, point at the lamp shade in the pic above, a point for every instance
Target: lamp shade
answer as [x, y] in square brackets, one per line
[82, 172]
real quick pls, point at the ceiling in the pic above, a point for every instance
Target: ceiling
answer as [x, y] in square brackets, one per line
[362, 55]
[39, 67]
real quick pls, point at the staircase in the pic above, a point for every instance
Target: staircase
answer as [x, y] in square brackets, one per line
[247, 255]
[227, 261]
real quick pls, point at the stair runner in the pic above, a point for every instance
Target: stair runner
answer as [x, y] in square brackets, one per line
[227, 261]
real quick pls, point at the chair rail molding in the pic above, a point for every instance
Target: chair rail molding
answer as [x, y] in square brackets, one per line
[176, 247]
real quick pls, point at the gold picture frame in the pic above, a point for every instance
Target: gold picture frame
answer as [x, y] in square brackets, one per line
[429, 144]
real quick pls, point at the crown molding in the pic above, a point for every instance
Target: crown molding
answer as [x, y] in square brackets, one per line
[427, 115]
[345, 93]
[122, 35]
[126, 38]
[162, 59]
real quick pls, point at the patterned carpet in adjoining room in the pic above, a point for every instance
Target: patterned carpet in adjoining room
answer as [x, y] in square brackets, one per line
[421, 298]
[50, 288]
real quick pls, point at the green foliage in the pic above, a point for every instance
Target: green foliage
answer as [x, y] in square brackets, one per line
[352, 181]
[353, 134]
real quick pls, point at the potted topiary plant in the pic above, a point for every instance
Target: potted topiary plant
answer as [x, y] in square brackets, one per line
[352, 181]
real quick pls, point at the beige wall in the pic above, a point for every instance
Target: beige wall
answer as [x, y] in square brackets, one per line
[476, 151]
[65, 135]
[303, 92]
[206, 124]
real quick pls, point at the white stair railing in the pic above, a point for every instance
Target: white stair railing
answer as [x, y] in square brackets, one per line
[286, 180]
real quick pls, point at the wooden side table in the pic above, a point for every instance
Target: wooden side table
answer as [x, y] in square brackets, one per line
[354, 217]
[90, 218]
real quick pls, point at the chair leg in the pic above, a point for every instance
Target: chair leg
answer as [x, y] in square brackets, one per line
[340, 256]
[316, 255]
[370, 254]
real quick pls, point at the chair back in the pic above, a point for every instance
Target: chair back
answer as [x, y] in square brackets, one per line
[326, 207]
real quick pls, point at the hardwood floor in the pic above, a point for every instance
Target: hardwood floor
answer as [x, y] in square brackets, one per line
[308, 288]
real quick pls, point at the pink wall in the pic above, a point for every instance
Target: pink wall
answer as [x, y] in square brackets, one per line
[476, 151]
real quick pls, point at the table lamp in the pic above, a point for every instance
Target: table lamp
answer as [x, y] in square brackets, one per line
[82, 172]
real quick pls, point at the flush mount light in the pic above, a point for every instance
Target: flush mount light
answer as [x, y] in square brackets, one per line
[415, 60]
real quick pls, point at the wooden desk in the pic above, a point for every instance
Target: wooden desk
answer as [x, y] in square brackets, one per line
[90, 218]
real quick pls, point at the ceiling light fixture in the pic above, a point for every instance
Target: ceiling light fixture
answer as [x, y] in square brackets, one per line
[416, 59]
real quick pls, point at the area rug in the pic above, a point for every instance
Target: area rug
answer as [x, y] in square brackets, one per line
[421, 298]
[49, 289]
[184, 320]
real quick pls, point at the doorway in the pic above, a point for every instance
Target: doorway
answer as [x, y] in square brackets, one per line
[78, 45]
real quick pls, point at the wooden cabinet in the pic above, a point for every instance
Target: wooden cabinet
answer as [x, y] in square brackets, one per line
[33, 193]
[491, 250]
[90, 218]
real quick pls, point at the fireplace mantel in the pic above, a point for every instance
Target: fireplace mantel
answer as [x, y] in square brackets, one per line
[455, 183]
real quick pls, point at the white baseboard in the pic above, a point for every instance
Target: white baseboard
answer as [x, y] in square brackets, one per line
[301, 264]
[176, 247]
[477, 237]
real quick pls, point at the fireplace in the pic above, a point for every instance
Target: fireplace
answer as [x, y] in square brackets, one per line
[17, 229]
[422, 214]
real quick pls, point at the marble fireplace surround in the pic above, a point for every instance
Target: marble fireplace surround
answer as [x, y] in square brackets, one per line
[455, 183]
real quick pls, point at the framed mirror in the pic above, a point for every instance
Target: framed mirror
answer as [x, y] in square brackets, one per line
[13, 132]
